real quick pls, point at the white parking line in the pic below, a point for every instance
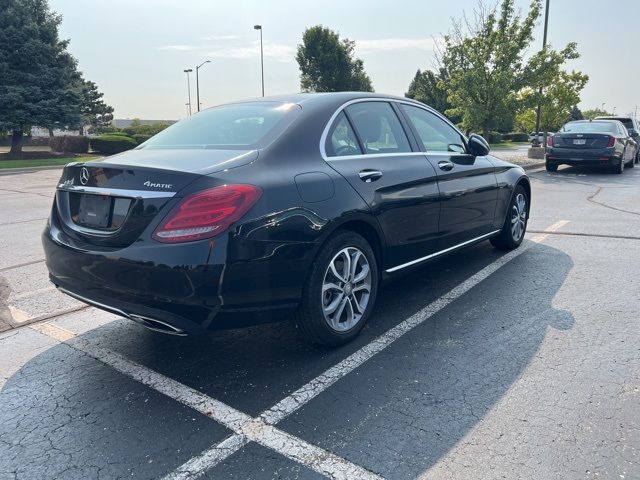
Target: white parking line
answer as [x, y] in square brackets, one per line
[261, 429]
[198, 466]
[245, 427]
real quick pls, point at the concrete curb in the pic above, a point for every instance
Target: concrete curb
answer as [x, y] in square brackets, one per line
[13, 171]
[533, 166]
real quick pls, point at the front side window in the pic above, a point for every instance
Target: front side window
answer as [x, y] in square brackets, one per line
[378, 128]
[239, 126]
[342, 139]
[436, 135]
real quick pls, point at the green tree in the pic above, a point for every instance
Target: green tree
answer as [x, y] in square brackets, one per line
[485, 58]
[595, 112]
[560, 98]
[327, 64]
[429, 88]
[576, 113]
[95, 112]
[38, 77]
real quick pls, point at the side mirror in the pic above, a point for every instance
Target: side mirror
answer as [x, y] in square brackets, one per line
[478, 146]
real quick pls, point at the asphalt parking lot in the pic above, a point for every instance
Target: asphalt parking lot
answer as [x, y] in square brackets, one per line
[480, 365]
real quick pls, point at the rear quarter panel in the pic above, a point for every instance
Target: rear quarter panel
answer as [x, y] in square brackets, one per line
[508, 176]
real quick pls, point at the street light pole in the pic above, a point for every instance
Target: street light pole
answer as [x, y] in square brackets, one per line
[538, 112]
[198, 83]
[188, 71]
[259, 27]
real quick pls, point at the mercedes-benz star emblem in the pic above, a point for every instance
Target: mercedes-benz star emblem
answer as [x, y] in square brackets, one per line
[84, 176]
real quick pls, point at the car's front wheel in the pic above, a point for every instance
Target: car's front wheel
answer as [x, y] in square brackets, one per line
[340, 292]
[515, 225]
[551, 167]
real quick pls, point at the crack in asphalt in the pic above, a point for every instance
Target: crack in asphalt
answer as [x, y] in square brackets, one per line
[22, 221]
[592, 197]
[26, 264]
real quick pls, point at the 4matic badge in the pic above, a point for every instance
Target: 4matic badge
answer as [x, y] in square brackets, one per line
[157, 185]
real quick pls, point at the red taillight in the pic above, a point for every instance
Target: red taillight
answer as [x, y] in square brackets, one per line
[206, 214]
[549, 141]
[612, 142]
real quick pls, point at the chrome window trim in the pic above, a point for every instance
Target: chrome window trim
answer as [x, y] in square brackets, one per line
[138, 194]
[325, 132]
[441, 252]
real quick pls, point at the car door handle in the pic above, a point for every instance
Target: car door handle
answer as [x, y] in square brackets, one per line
[369, 175]
[445, 165]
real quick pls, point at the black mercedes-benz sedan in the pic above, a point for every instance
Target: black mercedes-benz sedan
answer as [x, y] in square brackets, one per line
[592, 142]
[298, 204]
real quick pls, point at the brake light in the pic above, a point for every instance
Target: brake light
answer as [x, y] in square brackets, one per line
[612, 142]
[206, 214]
[549, 141]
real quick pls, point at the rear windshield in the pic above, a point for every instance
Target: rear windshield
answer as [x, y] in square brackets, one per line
[244, 126]
[590, 127]
[627, 122]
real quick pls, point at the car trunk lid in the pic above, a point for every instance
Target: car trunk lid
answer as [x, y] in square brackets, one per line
[581, 140]
[109, 203]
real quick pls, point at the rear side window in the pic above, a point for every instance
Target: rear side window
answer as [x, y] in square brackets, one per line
[436, 134]
[240, 126]
[378, 128]
[342, 139]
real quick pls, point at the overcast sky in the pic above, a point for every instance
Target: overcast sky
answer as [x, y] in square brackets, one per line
[136, 50]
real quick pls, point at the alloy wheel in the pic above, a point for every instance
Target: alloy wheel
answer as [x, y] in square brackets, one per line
[346, 289]
[518, 217]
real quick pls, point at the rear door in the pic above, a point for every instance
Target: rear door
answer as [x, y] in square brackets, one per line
[468, 185]
[368, 145]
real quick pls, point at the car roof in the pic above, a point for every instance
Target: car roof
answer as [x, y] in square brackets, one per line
[312, 101]
[613, 118]
[599, 120]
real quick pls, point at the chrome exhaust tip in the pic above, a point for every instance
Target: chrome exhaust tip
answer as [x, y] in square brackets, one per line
[157, 325]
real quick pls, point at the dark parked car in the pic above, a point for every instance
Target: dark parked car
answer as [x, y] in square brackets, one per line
[301, 204]
[632, 126]
[592, 142]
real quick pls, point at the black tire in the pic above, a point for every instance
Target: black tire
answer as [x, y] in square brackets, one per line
[310, 318]
[506, 239]
[551, 167]
[618, 169]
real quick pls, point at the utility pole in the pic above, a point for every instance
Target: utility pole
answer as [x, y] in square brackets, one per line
[259, 27]
[536, 142]
[188, 71]
[198, 83]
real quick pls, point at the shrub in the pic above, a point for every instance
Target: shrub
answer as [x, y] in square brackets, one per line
[519, 137]
[118, 133]
[140, 138]
[495, 137]
[112, 144]
[69, 144]
[515, 137]
[36, 141]
[145, 129]
[104, 129]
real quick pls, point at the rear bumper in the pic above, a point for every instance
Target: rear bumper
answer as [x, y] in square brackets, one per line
[569, 156]
[137, 285]
[184, 288]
